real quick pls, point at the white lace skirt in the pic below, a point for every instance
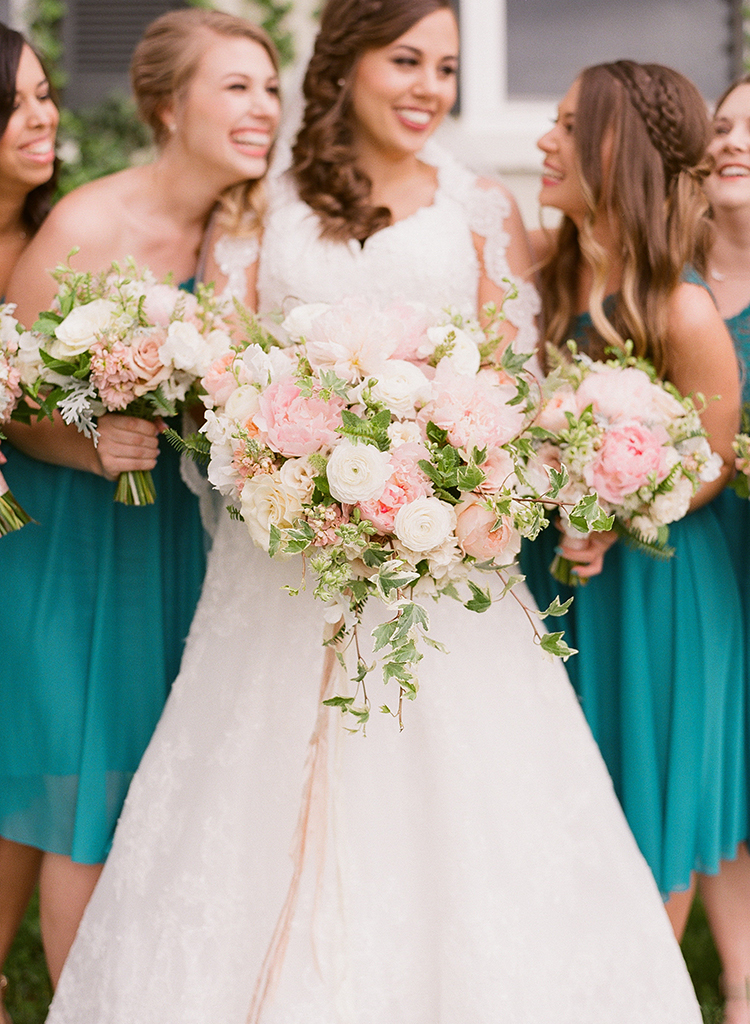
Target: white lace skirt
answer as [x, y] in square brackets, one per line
[473, 868]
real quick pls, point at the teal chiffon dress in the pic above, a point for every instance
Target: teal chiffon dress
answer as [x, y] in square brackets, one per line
[97, 602]
[659, 676]
[733, 512]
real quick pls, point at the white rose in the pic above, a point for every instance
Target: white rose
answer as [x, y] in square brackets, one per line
[266, 367]
[357, 472]
[298, 476]
[401, 386]
[299, 322]
[404, 433]
[265, 502]
[185, 349]
[81, 328]
[242, 403]
[463, 356]
[674, 504]
[424, 523]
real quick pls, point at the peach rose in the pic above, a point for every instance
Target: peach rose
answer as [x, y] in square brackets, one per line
[149, 370]
[475, 533]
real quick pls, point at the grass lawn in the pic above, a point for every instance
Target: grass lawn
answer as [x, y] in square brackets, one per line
[29, 992]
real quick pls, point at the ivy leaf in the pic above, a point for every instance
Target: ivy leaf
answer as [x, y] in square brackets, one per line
[553, 643]
[481, 599]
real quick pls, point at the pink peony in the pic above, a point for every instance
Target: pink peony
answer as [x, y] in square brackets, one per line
[498, 470]
[552, 417]
[628, 456]
[475, 533]
[147, 366]
[293, 425]
[617, 393]
[474, 412]
[162, 299]
[406, 483]
[112, 374]
[353, 339]
[220, 382]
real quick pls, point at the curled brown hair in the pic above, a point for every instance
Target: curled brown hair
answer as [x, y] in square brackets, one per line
[162, 67]
[647, 188]
[37, 203]
[324, 166]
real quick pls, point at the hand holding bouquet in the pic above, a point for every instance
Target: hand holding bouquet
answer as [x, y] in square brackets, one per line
[15, 371]
[627, 438]
[120, 341]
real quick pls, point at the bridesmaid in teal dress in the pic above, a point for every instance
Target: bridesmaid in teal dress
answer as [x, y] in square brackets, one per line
[658, 668]
[28, 173]
[102, 595]
[727, 268]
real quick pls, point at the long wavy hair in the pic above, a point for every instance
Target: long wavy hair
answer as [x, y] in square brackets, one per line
[37, 203]
[163, 65]
[324, 162]
[647, 187]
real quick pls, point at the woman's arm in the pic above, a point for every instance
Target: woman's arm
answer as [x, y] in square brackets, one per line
[701, 360]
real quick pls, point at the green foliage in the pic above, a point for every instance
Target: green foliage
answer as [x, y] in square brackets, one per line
[99, 140]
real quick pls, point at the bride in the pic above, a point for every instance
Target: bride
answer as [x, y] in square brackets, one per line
[269, 866]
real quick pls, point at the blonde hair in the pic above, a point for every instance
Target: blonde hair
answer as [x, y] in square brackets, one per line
[163, 65]
[650, 192]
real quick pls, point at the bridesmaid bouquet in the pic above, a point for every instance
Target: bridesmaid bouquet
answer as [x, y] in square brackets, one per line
[741, 445]
[383, 447]
[628, 438]
[120, 341]
[15, 344]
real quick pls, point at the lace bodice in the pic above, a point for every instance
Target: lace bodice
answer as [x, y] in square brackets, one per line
[428, 257]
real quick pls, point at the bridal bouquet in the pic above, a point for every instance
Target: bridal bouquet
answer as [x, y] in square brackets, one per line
[15, 344]
[120, 341]
[382, 446]
[628, 438]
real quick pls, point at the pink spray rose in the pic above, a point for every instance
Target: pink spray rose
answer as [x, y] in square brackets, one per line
[294, 425]
[628, 456]
[475, 533]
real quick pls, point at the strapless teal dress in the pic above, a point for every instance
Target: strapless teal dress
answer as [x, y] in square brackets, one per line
[97, 602]
[659, 676]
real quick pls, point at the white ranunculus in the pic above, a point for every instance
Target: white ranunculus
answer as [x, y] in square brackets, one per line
[424, 523]
[357, 472]
[81, 328]
[185, 348]
[298, 323]
[463, 356]
[242, 403]
[401, 387]
[265, 502]
[298, 476]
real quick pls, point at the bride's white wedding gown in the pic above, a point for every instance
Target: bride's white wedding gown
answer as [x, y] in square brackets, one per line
[472, 869]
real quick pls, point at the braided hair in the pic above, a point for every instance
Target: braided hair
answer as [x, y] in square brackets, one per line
[645, 183]
[324, 165]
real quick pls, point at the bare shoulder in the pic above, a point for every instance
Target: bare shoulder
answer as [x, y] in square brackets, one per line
[690, 310]
[82, 213]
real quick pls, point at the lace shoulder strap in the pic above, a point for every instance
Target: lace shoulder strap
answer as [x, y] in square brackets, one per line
[233, 256]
